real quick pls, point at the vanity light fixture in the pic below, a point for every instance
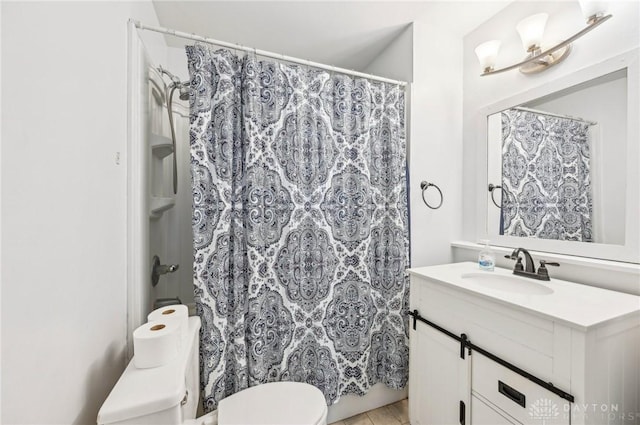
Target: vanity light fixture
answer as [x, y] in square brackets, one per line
[531, 30]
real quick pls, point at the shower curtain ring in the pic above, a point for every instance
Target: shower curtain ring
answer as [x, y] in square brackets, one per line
[424, 186]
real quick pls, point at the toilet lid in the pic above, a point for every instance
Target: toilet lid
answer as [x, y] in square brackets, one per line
[274, 403]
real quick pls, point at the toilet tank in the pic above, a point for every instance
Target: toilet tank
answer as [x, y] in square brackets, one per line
[166, 395]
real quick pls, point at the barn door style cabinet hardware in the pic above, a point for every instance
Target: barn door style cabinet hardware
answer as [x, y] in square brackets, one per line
[481, 355]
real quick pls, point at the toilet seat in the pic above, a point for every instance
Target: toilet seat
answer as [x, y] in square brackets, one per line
[281, 403]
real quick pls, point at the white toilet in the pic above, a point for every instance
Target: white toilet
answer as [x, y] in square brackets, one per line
[168, 395]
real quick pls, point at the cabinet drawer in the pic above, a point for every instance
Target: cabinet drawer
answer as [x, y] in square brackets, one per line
[525, 401]
[483, 414]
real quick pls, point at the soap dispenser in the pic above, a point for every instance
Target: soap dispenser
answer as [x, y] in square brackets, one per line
[486, 258]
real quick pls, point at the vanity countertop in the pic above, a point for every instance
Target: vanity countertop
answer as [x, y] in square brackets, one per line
[576, 305]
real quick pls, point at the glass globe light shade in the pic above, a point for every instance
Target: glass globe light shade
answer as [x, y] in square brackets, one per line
[592, 8]
[487, 53]
[531, 30]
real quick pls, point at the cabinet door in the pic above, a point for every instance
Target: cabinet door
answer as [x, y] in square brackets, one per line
[481, 414]
[439, 379]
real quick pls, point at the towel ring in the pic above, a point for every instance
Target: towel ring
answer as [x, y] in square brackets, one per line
[492, 189]
[424, 186]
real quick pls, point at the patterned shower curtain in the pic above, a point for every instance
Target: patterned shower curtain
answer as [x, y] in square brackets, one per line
[300, 226]
[545, 177]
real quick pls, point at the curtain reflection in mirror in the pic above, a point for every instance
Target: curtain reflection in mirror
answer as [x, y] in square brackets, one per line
[545, 176]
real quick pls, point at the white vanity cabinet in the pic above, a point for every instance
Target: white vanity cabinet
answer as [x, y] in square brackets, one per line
[583, 340]
[440, 379]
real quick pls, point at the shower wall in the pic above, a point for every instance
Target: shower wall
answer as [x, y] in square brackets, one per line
[165, 233]
[145, 118]
[175, 226]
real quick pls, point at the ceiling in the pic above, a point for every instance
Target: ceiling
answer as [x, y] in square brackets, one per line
[347, 34]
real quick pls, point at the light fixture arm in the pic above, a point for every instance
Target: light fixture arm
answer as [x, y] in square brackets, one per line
[593, 22]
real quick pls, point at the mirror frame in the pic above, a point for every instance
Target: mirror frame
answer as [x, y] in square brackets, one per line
[629, 252]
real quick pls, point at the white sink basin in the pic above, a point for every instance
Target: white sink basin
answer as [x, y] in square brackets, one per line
[579, 306]
[508, 283]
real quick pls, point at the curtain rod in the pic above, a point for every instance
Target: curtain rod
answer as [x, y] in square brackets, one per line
[551, 114]
[265, 53]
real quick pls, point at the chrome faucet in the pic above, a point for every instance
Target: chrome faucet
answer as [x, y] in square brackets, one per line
[529, 268]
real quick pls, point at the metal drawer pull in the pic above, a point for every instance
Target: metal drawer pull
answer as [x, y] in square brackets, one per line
[511, 393]
[185, 398]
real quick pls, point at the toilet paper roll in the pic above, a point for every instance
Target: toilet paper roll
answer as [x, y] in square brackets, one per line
[155, 344]
[176, 313]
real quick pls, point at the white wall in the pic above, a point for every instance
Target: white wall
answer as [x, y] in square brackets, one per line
[64, 122]
[494, 171]
[612, 38]
[435, 128]
[436, 139]
[1, 220]
[604, 103]
[396, 60]
[434, 123]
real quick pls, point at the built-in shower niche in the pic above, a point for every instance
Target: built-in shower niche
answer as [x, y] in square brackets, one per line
[161, 146]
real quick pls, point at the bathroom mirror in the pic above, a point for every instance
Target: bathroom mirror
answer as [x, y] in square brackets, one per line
[562, 165]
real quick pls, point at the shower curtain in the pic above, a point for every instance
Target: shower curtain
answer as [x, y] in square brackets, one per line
[545, 177]
[300, 226]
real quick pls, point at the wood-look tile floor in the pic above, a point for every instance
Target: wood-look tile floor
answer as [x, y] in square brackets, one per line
[391, 414]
